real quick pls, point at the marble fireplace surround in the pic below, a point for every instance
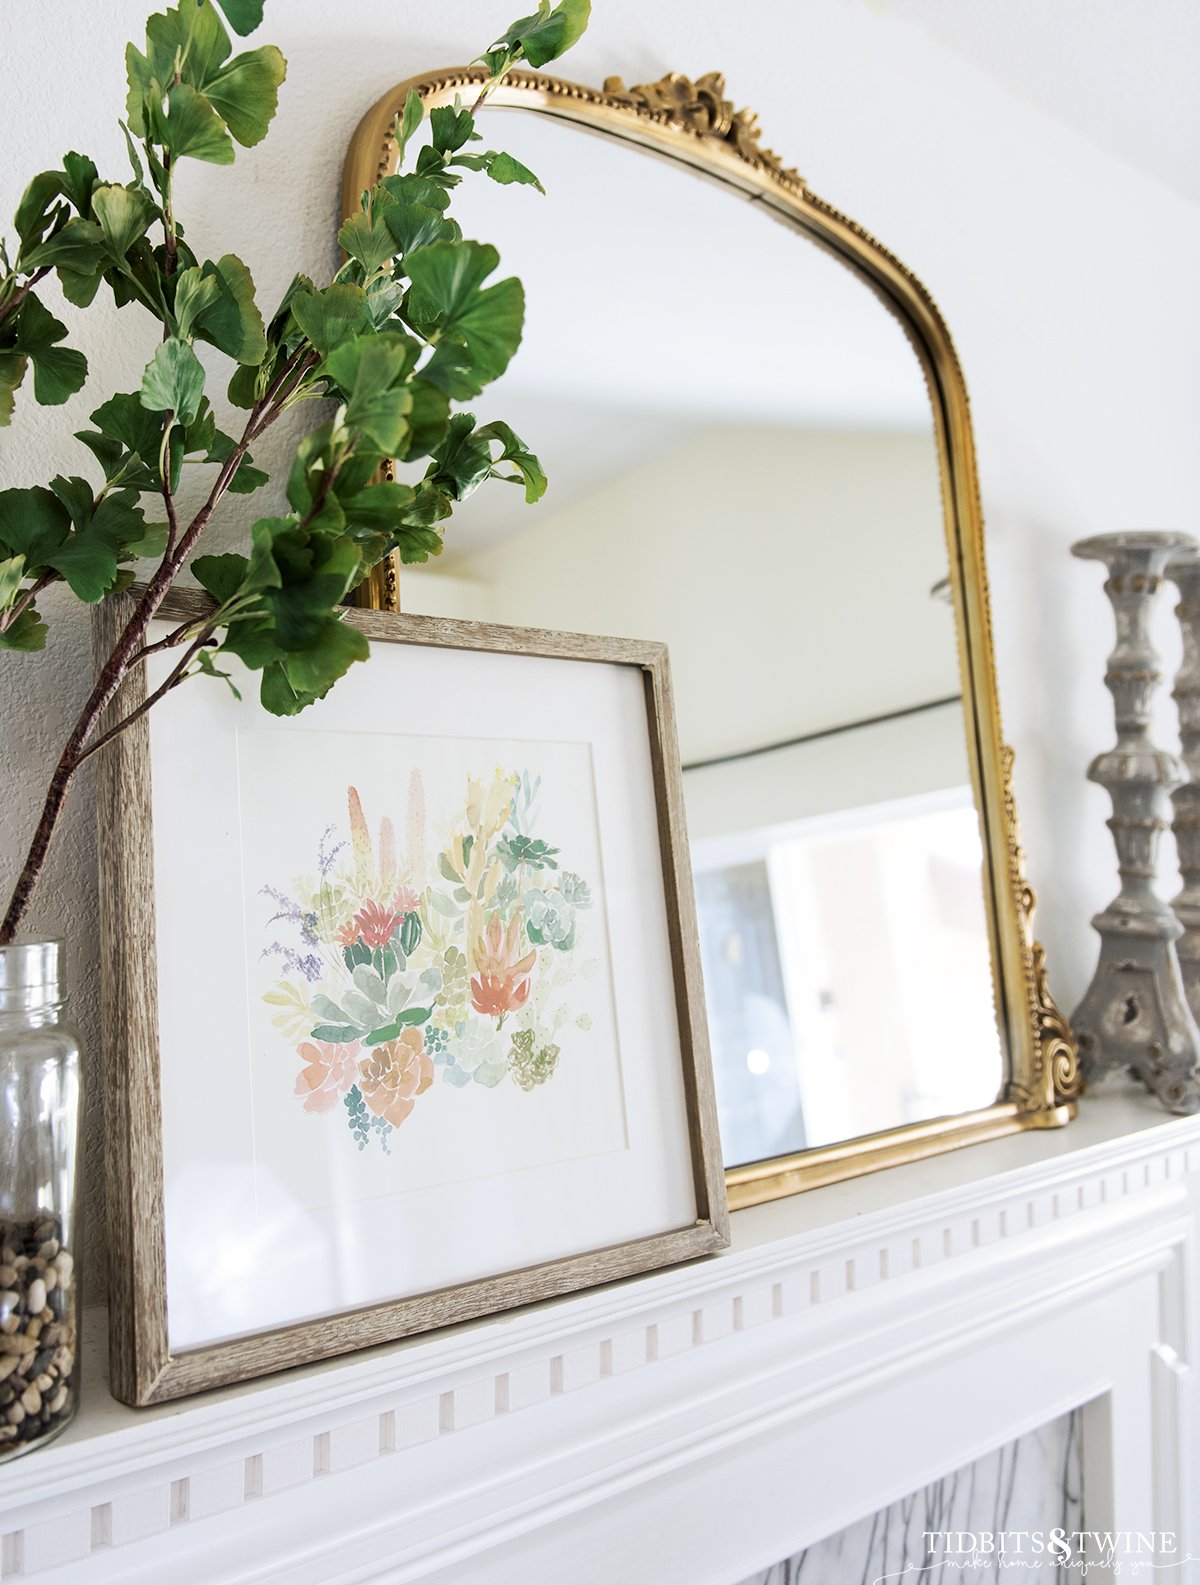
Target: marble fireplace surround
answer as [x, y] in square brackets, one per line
[696, 1425]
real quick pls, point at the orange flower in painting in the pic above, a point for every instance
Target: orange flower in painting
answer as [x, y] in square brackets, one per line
[373, 925]
[393, 1074]
[501, 982]
[328, 1072]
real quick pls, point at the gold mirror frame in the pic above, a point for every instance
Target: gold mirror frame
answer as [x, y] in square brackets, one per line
[692, 124]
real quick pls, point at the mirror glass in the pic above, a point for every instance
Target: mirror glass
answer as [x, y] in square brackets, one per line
[742, 463]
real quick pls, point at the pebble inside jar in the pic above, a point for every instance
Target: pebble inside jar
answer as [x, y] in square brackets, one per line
[39, 1129]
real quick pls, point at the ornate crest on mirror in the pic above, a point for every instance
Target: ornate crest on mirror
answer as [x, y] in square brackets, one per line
[748, 461]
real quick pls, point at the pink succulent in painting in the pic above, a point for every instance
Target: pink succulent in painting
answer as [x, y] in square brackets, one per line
[328, 1072]
[407, 966]
[406, 901]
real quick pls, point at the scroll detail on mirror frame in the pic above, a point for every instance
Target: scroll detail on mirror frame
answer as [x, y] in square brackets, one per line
[701, 107]
[692, 123]
[1054, 1074]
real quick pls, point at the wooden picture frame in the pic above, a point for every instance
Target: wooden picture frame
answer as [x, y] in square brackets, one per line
[148, 1365]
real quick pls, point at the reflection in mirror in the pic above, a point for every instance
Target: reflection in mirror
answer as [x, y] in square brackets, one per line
[742, 463]
[825, 944]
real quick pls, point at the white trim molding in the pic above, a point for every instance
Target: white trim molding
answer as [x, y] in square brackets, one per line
[694, 1425]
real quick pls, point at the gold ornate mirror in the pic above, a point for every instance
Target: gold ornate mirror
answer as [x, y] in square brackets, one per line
[747, 460]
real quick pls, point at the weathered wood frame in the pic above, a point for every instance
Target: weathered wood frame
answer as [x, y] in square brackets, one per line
[143, 1368]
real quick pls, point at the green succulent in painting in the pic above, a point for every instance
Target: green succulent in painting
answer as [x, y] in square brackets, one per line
[550, 920]
[474, 1054]
[457, 980]
[575, 890]
[535, 855]
[413, 323]
[529, 1063]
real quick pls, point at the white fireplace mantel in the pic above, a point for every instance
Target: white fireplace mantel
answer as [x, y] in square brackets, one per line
[697, 1424]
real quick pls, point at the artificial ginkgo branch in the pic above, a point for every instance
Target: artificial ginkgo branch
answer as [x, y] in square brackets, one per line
[408, 328]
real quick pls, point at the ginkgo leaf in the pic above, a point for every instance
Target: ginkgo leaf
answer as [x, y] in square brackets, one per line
[243, 16]
[506, 170]
[58, 372]
[478, 328]
[194, 293]
[369, 241]
[327, 317]
[191, 126]
[12, 373]
[173, 381]
[542, 36]
[232, 321]
[124, 214]
[245, 93]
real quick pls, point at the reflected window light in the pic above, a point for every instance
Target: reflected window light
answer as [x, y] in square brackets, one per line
[850, 925]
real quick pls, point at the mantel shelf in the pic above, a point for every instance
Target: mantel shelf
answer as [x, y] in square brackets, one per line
[805, 1275]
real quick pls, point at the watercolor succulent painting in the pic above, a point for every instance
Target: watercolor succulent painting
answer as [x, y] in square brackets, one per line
[453, 959]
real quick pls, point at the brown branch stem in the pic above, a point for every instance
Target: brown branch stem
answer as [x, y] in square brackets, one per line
[170, 238]
[115, 670]
[105, 687]
[11, 304]
[172, 681]
[168, 496]
[172, 641]
[26, 599]
[130, 648]
[283, 386]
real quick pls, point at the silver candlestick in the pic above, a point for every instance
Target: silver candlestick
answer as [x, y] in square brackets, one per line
[1135, 1013]
[1184, 571]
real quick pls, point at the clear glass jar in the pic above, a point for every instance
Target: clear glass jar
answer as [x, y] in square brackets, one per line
[39, 1139]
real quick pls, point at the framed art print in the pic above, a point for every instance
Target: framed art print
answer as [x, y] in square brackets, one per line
[403, 1017]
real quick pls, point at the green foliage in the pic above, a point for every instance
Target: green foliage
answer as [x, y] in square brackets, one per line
[246, 93]
[186, 92]
[229, 319]
[58, 372]
[187, 125]
[243, 16]
[328, 317]
[408, 122]
[476, 328]
[506, 170]
[527, 470]
[369, 242]
[541, 37]
[174, 381]
[413, 322]
[64, 533]
[13, 365]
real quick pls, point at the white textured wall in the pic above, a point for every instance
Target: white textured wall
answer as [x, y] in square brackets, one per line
[1067, 277]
